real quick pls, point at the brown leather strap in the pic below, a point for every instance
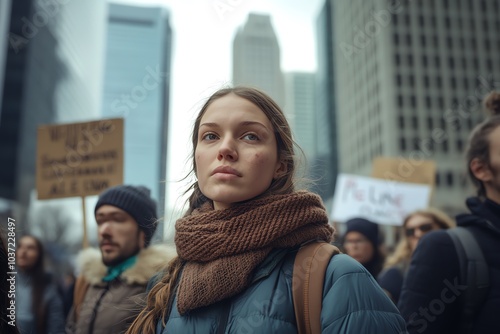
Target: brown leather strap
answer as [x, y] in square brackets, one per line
[81, 286]
[307, 284]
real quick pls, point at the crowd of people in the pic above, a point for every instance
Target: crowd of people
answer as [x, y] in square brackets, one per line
[232, 267]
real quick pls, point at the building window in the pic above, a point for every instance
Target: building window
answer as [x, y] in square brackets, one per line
[489, 65]
[435, 41]
[402, 144]
[464, 63]
[466, 83]
[451, 62]
[426, 81]
[487, 45]
[439, 82]
[399, 81]
[441, 102]
[449, 42]
[411, 80]
[433, 20]
[414, 122]
[401, 122]
[460, 145]
[485, 26]
[424, 61]
[453, 82]
[396, 39]
[413, 101]
[462, 43]
[428, 102]
[438, 179]
[400, 100]
[407, 20]
[410, 60]
[447, 22]
[397, 59]
[421, 21]
[437, 61]
[449, 179]
[430, 123]
[475, 61]
[423, 40]
[408, 39]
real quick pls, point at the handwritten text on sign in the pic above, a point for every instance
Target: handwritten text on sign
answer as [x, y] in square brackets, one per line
[384, 202]
[79, 159]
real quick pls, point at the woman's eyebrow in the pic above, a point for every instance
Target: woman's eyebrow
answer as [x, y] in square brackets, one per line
[245, 123]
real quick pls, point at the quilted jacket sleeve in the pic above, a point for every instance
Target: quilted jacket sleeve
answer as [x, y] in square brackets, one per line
[354, 303]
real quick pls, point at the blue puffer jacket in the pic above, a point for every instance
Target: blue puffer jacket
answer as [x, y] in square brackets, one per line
[352, 303]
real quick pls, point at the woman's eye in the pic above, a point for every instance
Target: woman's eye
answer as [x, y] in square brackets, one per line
[209, 136]
[250, 136]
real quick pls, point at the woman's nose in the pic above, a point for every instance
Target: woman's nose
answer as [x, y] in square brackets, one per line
[227, 150]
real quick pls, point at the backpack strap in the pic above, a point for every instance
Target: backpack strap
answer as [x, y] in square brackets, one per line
[81, 287]
[473, 272]
[309, 271]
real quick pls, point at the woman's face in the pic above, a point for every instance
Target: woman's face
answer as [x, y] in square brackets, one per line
[27, 253]
[358, 247]
[236, 154]
[416, 227]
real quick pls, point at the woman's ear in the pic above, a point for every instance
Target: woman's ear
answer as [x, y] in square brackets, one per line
[281, 169]
[480, 170]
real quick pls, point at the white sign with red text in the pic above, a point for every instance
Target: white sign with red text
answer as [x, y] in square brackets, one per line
[381, 201]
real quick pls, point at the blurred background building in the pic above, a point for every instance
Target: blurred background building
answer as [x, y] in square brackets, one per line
[409, 81]
[52, 74]
[136, 87]
[256, 57]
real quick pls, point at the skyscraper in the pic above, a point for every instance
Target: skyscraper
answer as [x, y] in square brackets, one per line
[41, 64]
[256, 57]
[410, 80]
[4, 33]
[300, 109]
[136, 87]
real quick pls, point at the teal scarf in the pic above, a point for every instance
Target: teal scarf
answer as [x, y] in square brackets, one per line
[115, 271]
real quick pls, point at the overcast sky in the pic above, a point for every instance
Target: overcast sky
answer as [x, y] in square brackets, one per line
[203, 31]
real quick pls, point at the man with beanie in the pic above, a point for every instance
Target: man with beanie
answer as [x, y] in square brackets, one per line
[362, 242]
[111, 288]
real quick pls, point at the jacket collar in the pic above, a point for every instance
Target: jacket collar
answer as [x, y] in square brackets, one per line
[149, 261]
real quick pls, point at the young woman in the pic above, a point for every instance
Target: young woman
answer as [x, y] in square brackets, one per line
[362, 242]
[39, 307]
[431, 296]
[415, 226]
[239, 237]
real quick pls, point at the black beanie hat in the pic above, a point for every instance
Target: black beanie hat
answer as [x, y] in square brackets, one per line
[365, 227]
[137, 202]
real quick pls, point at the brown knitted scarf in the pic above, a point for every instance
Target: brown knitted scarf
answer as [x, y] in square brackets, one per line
[223, 247]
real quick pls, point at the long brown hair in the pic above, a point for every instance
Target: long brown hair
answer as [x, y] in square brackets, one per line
[161, 295]
[403, 251]
[40, 282]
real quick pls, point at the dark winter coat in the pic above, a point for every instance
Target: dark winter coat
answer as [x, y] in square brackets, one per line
[429, 301]
[352, 303]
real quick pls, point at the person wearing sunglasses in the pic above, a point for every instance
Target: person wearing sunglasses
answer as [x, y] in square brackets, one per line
[415, 226]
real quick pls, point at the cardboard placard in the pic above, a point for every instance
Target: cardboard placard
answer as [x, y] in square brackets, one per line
[381, 201]
[79, 159]
[405, 170]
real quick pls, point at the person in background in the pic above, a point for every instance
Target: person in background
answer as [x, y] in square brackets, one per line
[431, 298]
[415, 226]
[39, 306]
[113, 280]
[245, 223]
[7, 298]
[362, 241]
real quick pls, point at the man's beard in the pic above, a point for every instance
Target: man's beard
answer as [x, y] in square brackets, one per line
[120, 258]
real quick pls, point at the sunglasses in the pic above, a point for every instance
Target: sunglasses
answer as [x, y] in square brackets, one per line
[410, 232]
